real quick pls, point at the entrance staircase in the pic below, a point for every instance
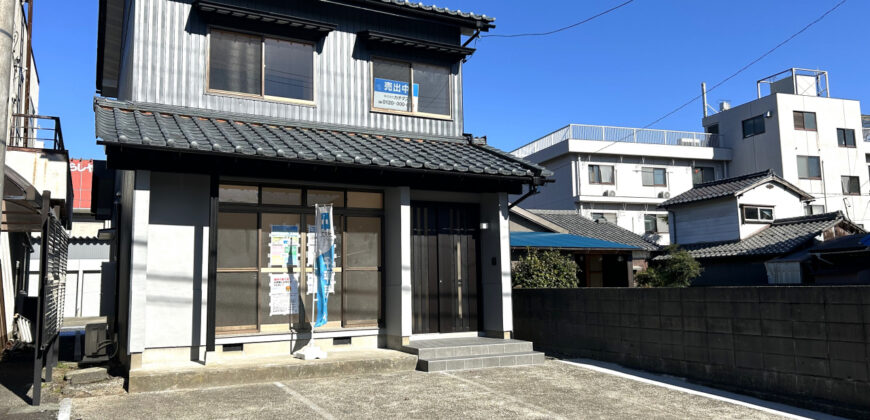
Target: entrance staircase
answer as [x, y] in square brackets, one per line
[441, 354]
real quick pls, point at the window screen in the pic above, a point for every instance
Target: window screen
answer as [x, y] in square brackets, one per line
[432, 89]
[234, 62]
[809, 167]
[236, 300]
[289, 71]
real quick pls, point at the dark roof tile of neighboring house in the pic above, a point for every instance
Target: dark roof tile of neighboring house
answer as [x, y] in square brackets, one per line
[857, 242]
[577, 224]
[157, 126]
[436, 9]
[730, 187]
[563, 240]
[781, 237]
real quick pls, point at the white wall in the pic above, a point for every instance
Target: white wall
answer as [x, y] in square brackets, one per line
[785, 204]
[177, 260]
[705, 221]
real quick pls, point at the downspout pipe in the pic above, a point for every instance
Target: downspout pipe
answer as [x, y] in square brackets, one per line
[7, 28]
[533, 189]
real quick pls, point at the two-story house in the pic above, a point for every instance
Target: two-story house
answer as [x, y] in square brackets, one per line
[750, 229]
[231, 119]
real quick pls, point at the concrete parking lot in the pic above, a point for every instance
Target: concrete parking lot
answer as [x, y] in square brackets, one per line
[553, 390]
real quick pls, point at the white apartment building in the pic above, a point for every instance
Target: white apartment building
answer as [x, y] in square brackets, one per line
[621, 174]
[812, 140]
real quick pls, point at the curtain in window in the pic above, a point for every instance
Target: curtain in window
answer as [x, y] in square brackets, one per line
[646, 175]
[234, 62]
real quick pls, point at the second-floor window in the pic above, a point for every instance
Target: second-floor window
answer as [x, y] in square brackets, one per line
[654, 177]
[701, 174]
[254, 65]
[418, 89]
[757, 214]
[604, 217]
[753, 126]
[601, 174]
[655, 223]
[811, 209]
[845, 137]
[809, 167]
[851, 185]
[805, 120]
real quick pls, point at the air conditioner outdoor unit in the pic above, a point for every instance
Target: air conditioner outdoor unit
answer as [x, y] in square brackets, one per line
[688, 141]
[664, 194]
[610, 193]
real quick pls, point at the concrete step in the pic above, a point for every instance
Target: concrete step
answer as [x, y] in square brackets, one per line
[480, 361]
[430, 350]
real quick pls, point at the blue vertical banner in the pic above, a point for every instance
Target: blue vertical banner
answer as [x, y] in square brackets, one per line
[325, 266]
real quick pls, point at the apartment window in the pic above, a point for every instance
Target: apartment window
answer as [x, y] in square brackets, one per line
[701, 174]
[604, 217]
[805, 120]
[809, 167]
[757, 214]
[811, 209]
[851, 185]
[655, 223]
[411, 88]
[753, 126]
[260, 66]
[845, 137]
[654, 177]
[601, 174]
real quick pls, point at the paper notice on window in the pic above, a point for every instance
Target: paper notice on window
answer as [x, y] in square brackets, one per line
[282, 289]
[392, 94]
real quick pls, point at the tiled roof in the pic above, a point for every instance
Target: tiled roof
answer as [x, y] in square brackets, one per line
[730, 187]
[577, 224]
[781, 237]
[563, 240]
[438, 10]
[857, 242]
[165, 127]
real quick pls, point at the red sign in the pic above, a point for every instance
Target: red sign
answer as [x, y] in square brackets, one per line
[82, 172]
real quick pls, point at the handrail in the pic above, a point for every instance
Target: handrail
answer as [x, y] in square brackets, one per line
[27, 132]
[618, 134]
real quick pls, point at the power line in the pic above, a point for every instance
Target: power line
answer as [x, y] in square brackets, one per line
[557, 30]
[741, 70]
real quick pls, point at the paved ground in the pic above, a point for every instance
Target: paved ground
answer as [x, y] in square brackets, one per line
[552, 390]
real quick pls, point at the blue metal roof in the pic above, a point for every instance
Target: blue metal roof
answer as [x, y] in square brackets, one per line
[562, 240]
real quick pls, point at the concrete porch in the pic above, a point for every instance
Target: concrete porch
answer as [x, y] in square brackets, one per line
[252, 370]
[440, 354]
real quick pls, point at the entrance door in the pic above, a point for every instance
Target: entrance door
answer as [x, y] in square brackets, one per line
[444, 272]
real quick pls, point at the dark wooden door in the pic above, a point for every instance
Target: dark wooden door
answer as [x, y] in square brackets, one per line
[444, 267]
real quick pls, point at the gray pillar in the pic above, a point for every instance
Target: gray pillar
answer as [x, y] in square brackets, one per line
[397, 266]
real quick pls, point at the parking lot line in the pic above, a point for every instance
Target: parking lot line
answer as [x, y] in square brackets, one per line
[517, 401]
[323, 413]
[681, 385]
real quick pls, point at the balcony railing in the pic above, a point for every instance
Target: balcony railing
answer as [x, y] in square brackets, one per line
[36, 131]
[619, 134]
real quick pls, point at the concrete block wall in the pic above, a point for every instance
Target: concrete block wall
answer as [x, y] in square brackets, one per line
[804, 345]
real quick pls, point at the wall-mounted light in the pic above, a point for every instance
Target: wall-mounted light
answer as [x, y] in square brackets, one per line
[484, 225]
[768, 114]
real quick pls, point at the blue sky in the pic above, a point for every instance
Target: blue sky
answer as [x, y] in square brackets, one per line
[627, 68]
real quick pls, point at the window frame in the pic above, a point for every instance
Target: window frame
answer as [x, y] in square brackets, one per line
[655, 218]
[857, 182]
[759, 117]
[665, 170]
[604, 216]
[808, 209]
[845, 143]
[818, 159]
[758, 208]
[612, 174]
[371, 89]
[262, 96]
[702, 168]
[804, 121]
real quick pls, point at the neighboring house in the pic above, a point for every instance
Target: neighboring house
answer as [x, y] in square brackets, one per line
[87, 253]
[36, 191]
[606, 254]
[734, 226]
[621, 175]
[232, 121]
[805, 136]
[844, 260]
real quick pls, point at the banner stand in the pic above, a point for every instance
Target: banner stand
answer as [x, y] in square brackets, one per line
[323, 262]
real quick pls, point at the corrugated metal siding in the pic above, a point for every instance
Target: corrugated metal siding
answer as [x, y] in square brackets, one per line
[170, 49]
[89, 251]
